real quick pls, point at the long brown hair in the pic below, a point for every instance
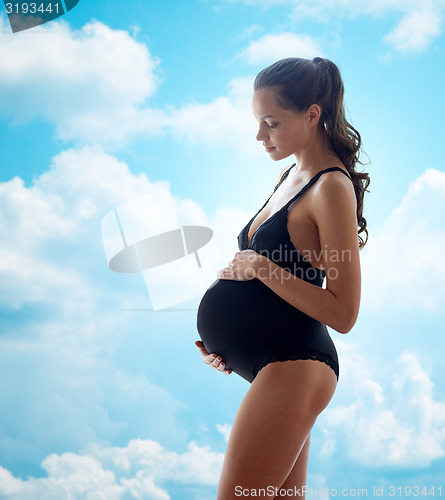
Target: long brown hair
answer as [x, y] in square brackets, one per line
[298, 83]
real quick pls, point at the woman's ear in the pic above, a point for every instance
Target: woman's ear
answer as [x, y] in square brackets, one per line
[313, 115]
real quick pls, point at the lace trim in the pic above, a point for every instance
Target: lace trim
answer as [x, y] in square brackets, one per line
[313, 354]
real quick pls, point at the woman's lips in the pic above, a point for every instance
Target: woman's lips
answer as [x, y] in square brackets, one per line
[268, 150]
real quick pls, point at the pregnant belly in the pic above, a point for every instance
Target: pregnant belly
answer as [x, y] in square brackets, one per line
[242, 321]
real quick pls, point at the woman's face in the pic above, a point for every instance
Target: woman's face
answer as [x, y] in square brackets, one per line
[283, 132]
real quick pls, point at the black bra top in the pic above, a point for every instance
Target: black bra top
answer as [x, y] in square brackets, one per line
[272, 238]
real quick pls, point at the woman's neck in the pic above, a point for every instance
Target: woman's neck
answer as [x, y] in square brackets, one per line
[316, 156]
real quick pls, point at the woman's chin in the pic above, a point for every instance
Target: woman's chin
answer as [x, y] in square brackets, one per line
[277, 156]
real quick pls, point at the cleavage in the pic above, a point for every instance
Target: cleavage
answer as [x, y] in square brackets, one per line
[270, 213]
[287, 216]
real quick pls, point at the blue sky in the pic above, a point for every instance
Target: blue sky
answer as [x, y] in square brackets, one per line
[99, 396]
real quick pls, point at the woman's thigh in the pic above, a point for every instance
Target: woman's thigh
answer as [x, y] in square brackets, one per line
[293, 486]
[272, 424]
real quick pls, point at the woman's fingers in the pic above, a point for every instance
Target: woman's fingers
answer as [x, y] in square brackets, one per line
[222, 368]
[215, 361]
[201, 347]
[199, 344]
[212, 359]
[219, 364]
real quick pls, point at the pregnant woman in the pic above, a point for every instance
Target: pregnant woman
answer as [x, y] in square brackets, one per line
[265, 317]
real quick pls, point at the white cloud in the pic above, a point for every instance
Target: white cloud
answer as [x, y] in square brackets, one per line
[416, 31]
[62, 319]
[91, 83]
[61, 209]
[198, 464]
[401, 425]
[271, 48]
[138, 470]
[49, 228]
[317, 481]
[407, 251]
[67, 392]
[226, 121]
[51, 242]
[224, 429]
[420, 23]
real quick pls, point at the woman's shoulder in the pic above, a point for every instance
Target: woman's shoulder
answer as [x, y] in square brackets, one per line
[335, 186]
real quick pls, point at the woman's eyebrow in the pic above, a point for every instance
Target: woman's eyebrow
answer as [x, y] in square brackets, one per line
[267, 116]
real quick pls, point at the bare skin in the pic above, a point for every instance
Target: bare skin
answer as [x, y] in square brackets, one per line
[269, 442]
[272, 425]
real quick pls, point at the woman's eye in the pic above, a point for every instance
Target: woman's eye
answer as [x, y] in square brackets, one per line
[272, 125]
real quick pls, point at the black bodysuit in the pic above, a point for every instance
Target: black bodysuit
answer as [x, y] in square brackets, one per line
[248, 324]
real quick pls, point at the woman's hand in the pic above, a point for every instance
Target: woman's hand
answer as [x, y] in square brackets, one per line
[244, 266]
[212, 359]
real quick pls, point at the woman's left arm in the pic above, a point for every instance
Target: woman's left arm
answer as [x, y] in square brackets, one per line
[337, 305]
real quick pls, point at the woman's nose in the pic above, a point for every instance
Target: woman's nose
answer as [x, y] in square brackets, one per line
[261, 136]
